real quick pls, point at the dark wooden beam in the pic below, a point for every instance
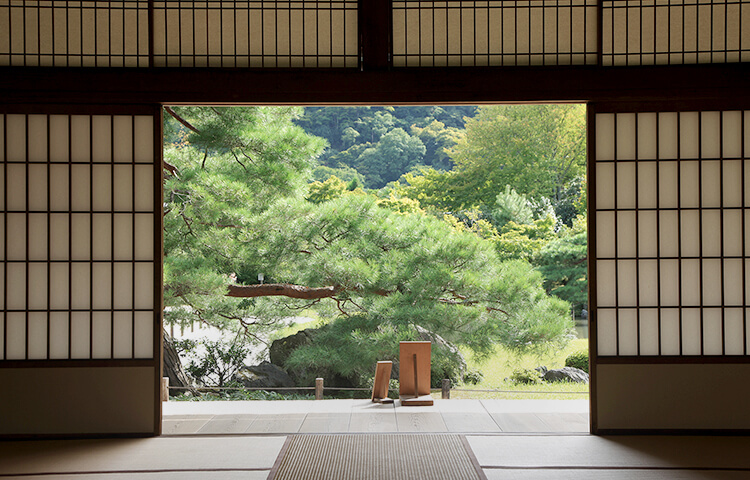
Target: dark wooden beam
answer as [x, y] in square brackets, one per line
[687, 83]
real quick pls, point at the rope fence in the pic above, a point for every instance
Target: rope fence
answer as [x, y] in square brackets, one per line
[319, 388]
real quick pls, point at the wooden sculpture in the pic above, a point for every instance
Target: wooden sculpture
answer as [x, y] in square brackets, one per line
[414, 373]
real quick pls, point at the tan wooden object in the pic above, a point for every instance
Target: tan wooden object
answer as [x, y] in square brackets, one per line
[414, 373]
[380, 385]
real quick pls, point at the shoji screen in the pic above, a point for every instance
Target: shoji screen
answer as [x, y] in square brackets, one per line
[471, 33]
[81, 273]
[300, 33]
[669, 242]
[648, 32]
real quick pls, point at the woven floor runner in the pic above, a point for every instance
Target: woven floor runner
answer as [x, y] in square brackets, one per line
[375, 457]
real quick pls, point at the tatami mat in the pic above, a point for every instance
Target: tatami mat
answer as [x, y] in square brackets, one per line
[588, 451]
[163, 454]
[376, 457]
[607, 474]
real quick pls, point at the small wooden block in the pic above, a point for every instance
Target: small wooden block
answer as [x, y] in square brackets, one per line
[420, 401]
[380, 384]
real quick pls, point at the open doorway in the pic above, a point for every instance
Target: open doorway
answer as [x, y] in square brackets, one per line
[333, 228]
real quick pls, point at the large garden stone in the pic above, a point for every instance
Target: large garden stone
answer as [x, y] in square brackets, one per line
[265, 375]
[568, 374]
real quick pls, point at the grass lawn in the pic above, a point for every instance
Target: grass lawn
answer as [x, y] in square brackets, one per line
[500, 366]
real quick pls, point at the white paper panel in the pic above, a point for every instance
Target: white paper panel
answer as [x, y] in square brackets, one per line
[734, 331]
[2, 237]
[712, 331]
[689, 135]
[605, 283]
[2, 285]
[648, 245]
[59, 236]
[101, 138]
[123, 291]
[626, 185]
[37, 187]
[16, 236]
[16, 286]
[102, 236]
[627, 284]
[648, 282]
[80, 138]
[144, 286]
[37, 336]
[647, 136]
[668, 138]
[733, 281]
[15, 144]
[690, 233]
[123, 191]
[123, 138]
[15, 186]
[80, 237]
[605, 234]
[689, 184]
[58, 138]
[80, 285]
[144, 335]
[80, 339]
[711, 227]
[605, 185]
[712, 288]
[123, 335]
[102, 188]
[690, 283]
[59, 188]
[144, 237]
[746, 133]
[746, 178]
[144, 139]
[37, 131]
[626, 136]
[649, 331]
[732, 183]
[731, 129]
[144, 188]
[59, 285]
[37, 286]
[102, 285]
[626, 234]
[16, 336]
[691, 331]
[80, 185]
[605, 129]
[670, 331]
[607, 332]
[2, 178]
[710, 135]
[647, 177]
[668, 191]
[123, 228]
[711, 175]
[101, 335]
[628, 331]
[37, 236]
[669, 234]
[670, 283]
[58, 335]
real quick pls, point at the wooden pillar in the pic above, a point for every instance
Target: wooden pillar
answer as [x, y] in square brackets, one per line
[318, 389]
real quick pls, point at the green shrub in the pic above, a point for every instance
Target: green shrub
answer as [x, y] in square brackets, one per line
[578, 359]
[473, 377]
[526, 376]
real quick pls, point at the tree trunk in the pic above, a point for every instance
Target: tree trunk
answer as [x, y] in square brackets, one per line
[173, 368]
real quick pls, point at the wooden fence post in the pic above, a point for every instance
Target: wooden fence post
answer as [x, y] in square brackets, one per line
[318, 389]
[165, 389]
[446, 389]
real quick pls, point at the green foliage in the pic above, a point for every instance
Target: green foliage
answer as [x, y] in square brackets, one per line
[579, 359]
[319, 192]
[399, 205]
[214, 363]
[563, 263]
[321, 173]
[526, 376]
[524, 241]
[396, 152]
[537, 149]
[240, 394]
[510, 206]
